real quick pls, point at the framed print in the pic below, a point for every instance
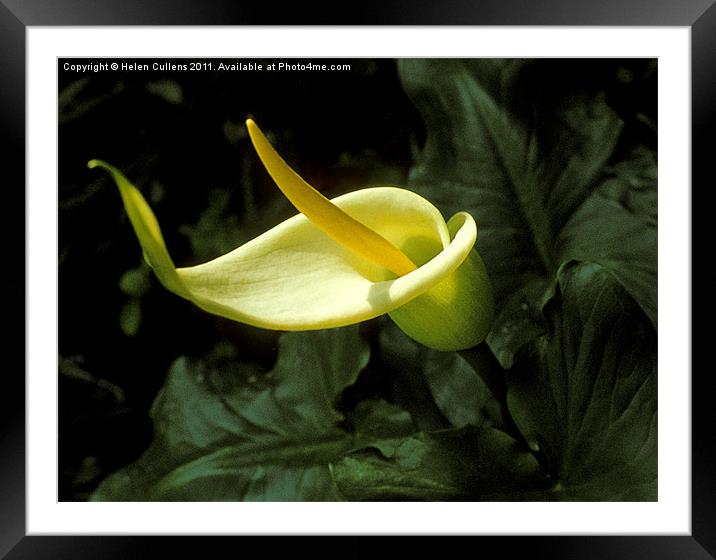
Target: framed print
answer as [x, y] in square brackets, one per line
[372, 279]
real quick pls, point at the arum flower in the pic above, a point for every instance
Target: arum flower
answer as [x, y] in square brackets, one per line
[342, 261]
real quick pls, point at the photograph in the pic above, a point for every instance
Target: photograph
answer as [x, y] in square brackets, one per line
[360, 280]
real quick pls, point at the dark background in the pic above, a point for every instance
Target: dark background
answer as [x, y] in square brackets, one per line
[179, 136]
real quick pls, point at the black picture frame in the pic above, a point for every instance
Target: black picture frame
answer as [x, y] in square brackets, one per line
[16, 15]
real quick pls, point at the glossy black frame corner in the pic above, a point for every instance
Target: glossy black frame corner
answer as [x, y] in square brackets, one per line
[16, 15]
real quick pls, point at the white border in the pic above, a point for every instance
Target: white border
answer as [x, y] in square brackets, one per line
[670, 515]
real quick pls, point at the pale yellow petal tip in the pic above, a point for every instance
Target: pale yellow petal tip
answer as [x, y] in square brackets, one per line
[117, 175]
[91, 164]
[98, 163]
[120, 180]
[253, 129]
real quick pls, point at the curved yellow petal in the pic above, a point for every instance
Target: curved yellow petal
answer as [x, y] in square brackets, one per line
[335, 263]
[294, 277]
[340, 226]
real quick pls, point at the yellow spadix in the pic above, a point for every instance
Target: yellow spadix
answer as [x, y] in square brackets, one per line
[373, 251]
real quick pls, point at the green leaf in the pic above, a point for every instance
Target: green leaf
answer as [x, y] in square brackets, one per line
[457, 390]
[632, 183]
[476, 159]
[382, 424]
[585, 392]
[468, 464]
[136, 282]
[230, 434]
[130, 317]
[540, 197]
[616, 227]
[519, 320]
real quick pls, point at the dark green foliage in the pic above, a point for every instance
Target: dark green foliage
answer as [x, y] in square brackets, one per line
[538, 203]
[584, 392]
[556, 161]
[238, 434]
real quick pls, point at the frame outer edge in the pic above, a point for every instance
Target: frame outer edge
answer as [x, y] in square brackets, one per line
[703, 110]
[12, 123]
[366, 12]
[12, 283]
